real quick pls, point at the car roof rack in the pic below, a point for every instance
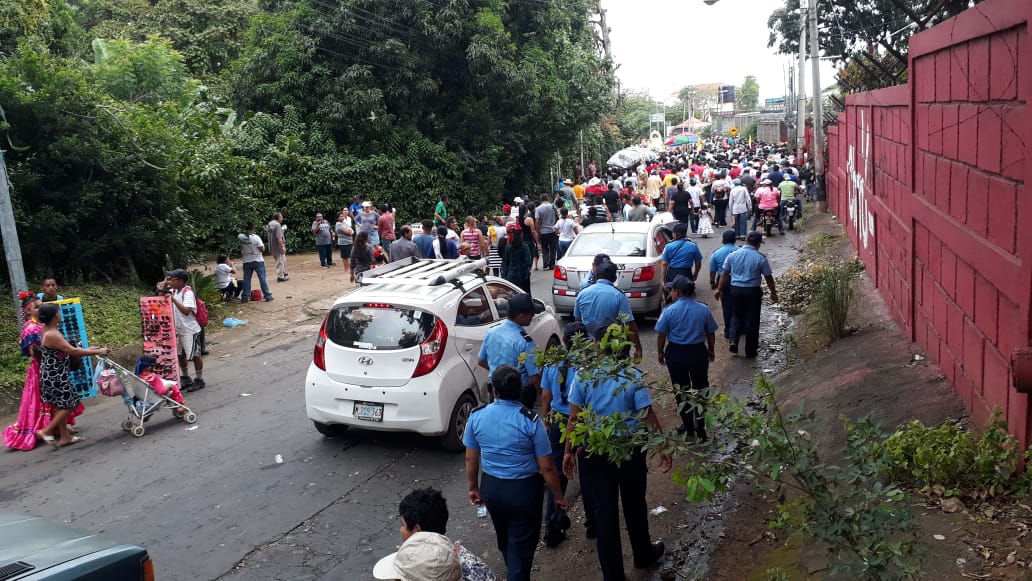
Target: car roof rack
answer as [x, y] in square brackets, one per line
[423, 271]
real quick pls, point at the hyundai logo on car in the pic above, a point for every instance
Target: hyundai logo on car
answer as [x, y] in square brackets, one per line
[365, 360]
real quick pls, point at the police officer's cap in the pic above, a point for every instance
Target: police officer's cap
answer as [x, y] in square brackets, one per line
[682, 283]
[681, 228]
[754, 238]
[728, 237]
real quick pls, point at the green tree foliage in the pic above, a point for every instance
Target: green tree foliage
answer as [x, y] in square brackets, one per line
[749, 94]
[126, 155]
[472, 99]
[850, 27]
[209, 34]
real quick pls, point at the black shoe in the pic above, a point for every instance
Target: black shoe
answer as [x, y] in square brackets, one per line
[185, 381]
[701, 432]
[682, 429]
[553, 536]
[198, 384]
[267, 299]
[733, 348]
[658, 548]
[781, 232]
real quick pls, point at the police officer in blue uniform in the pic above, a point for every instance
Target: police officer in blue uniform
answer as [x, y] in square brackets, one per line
[716, 268]
[689, 326]
[743, 271]
[504, 344]
[613, 485]
[681, 256]
[602, 304]
[555, 397]
[510, 443]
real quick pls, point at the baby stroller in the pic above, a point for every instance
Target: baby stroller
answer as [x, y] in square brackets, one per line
[139, 397]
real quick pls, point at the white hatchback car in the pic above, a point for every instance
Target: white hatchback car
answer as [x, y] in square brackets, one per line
[400, 352]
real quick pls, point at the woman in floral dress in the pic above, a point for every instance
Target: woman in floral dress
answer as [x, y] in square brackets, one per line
[55, 385]
[33, 414]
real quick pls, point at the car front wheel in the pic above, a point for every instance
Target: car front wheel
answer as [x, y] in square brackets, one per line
[452, 439]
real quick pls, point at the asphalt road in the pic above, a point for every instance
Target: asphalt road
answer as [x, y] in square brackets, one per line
[212, 502]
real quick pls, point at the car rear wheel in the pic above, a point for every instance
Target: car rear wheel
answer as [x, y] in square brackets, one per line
[330, 430]
[452, 439]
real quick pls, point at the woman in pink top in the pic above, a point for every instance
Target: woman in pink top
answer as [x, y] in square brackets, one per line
[767, 198]
[472, 236]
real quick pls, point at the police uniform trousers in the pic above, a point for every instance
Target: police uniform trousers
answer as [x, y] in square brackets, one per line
[727, 309]
[746, 302]
[628, 481]
[689, 370]
[515, 509]
[558, 451]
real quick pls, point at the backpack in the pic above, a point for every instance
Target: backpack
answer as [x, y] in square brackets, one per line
[202, 313]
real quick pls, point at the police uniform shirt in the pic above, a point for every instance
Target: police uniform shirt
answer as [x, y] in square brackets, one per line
[716, 262]
[602, 301]
[609, 397]
[550, 380]
[686, 322]
[503, 346]
[588, 280]
[510, 439]
[747, 267]
[682, 253]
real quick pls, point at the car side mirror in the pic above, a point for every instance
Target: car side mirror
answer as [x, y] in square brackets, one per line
[539, 306]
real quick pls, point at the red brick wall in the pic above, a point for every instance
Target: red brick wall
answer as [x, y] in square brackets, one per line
[928, 179]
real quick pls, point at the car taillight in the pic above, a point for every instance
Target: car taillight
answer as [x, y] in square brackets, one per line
[560, 273]
[432, 350]
[319, 357]
[643, 273]
[147, 574]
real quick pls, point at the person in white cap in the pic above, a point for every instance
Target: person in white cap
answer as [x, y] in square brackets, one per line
[422, 557]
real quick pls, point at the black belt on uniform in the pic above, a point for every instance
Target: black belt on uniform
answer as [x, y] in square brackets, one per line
[672, 344]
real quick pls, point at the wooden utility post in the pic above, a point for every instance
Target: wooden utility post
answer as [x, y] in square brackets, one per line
[605, 31]
[9, 231]
[801, 85]
[818, 106]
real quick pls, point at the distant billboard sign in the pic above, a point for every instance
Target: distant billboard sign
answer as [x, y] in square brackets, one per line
[775, 101]
[726, 94]
[657, 118]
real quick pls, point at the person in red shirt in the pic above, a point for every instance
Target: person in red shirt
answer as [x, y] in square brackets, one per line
[385, 227]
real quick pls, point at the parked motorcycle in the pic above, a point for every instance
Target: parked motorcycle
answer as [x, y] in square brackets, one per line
[769, 219]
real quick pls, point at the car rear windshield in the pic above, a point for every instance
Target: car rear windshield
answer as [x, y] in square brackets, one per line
[381, 327]
[611, 243]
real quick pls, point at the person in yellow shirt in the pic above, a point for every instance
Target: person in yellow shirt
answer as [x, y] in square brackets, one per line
[578, 191]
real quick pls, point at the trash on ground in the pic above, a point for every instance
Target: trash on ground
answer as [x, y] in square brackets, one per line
[191, 428]
[658, 510]
[279, 459]
[245, 395]
[233, 322]
[939, 537]
[918, 357]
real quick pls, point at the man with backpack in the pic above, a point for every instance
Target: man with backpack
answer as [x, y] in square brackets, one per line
[185, 309]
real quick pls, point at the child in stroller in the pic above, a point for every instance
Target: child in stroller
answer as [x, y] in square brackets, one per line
[145, 371]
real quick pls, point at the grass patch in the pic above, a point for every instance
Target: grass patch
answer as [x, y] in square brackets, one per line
[112, 314]
[797, 287]
[833, 298]
[820, 243]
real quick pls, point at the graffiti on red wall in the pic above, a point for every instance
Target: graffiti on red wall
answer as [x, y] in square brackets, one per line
[859, 214]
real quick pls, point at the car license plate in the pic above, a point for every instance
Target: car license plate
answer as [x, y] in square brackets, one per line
[372, 412]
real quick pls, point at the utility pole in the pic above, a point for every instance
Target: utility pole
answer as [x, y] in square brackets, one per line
[801, 90]
[9, 231]
[818, 107]
[581, 154]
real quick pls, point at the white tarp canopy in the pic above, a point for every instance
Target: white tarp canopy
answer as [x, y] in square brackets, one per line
[626, 158]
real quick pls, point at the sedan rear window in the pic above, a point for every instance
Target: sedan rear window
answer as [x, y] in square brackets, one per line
[378, 326]
[611, 243]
